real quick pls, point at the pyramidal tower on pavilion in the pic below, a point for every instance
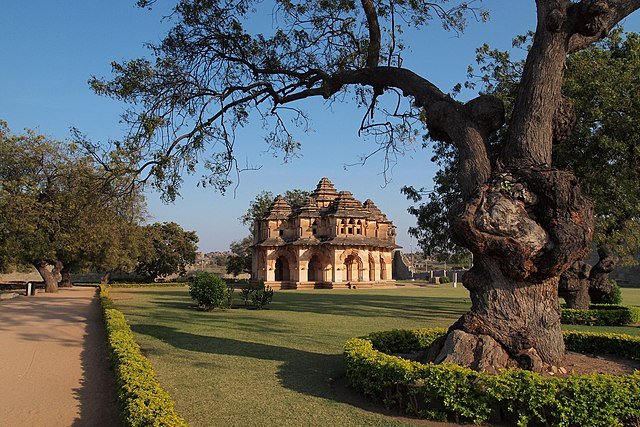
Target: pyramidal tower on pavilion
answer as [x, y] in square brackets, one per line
[332, 241]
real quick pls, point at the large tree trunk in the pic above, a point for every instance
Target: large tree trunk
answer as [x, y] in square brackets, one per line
[600, 284]
[65, 274]
[525, 227]
[526, 223]
[49, 277]
[574, 286]
[511, 324]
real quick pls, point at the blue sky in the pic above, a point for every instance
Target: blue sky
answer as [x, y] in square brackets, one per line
[51, 48]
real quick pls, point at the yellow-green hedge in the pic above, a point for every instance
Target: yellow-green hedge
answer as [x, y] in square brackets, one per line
[602, 315]
[142, 401]
[448, 391]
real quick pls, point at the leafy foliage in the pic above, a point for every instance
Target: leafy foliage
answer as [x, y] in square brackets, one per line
[449, 391]
[602, 315]
[615, 296]
[602, 150]
[208, 290]
[261, 295]
[143, 402]
[240, 259]
[259, 206]
[59, 208]
[168, 249]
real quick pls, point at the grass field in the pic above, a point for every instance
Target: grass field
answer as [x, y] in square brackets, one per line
[280, 366]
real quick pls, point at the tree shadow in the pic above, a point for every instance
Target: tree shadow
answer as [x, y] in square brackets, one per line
[373, 305]
[299, 371]
[314, 374]
[344, 303]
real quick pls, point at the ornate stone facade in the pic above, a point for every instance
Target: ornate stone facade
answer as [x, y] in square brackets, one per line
[332, 241]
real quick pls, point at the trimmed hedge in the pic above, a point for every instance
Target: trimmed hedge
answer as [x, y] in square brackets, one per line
[602, 315]
[448, 391]
[142, 401]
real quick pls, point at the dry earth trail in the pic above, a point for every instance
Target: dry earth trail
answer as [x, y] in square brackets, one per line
[54, 368]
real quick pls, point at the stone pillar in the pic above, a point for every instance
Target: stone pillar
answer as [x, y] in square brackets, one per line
[302, 268]
[337, 267]
[270, 266]
[364, 256]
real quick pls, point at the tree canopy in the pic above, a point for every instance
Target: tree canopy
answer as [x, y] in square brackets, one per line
[240, 259]
[603, 148]
[167, 250]
[524, 220]
[59, 211]
[259, 206]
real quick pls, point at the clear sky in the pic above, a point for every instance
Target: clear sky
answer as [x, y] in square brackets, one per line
[50, 49]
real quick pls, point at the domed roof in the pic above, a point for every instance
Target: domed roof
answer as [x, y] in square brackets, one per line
[374, 211]
[279, 209]
[325, 191]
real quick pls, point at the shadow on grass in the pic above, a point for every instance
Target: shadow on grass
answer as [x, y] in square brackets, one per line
[301, 371]
[341, 303]
[372, 305]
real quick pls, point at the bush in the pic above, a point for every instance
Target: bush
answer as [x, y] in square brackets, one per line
[449, 391]
[445, 279]
[261, 296]
[615, 296]
[601, 315]
[142, 401]
[208, 290]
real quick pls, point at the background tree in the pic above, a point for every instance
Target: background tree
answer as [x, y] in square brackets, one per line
[167, 250]
[58, 212]
[240, 259]
[525, 221]
[259, 206]
[602, 150]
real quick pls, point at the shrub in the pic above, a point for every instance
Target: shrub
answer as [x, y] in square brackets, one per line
[445, 279]
[615, 296]
[208, 290]
[142, 401]
[230, 293]
[245, 294]
[602, 315]
[449, 391]
[261, 296]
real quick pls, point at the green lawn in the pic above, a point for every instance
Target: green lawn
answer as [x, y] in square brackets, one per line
[278, 366]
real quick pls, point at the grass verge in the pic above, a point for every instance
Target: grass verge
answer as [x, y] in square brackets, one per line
[142, 401]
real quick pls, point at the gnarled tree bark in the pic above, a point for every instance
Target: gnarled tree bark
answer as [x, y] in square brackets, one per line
[49, 276]
[65, 277]
[600, 284]
[574, 286]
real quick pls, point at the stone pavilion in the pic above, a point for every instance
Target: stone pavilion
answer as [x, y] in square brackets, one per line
[331, 241]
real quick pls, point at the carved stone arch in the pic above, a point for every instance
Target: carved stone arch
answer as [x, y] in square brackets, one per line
[316, 260]
[353, 265]
[284, 262]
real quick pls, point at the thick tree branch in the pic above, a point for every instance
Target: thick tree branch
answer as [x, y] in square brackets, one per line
[373, 52]
[591, 20]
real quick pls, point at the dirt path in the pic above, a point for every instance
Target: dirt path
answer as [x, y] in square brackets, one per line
[54, 369]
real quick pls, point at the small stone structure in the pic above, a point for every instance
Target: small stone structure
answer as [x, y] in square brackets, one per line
[332, 241]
